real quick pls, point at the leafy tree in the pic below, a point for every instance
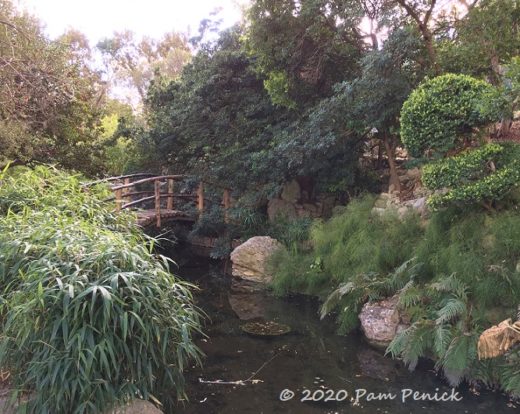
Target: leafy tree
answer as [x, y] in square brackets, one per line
[304, 48]
[421, 13]
[50, 100]
[216, 119]
[374, 100]
[486, 38]
[134, 62]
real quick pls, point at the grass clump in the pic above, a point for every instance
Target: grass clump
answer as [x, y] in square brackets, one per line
[91, 318]
[349, 244]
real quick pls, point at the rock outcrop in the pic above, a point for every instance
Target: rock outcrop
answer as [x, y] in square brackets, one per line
[250, 259]
[278, 207]
[381, 321]
[291, 192]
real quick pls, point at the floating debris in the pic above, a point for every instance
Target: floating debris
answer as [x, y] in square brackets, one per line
[265, 328]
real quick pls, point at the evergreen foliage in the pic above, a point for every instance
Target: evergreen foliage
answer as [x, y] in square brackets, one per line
[438, 114]
[486, 174]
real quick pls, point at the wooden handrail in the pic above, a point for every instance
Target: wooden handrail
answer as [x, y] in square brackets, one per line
[124, 192]
[152, 197]
[147, 180]
[121, 177]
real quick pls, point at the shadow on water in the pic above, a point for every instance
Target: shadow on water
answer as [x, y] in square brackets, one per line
[312, 357]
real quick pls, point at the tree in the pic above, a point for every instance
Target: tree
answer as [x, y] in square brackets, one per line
[486, 38]
[135, 62]
[49, 98]
[422, 12]
[215, 118]
[304, 48]
[370, 104]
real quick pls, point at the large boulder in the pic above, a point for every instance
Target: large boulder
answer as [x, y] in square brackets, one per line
[250, 259]
[381, 321]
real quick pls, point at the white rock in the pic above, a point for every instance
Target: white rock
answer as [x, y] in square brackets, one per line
[250, 259]
[380, 321]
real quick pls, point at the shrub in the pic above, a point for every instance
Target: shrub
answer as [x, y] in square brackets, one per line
[441, 110]
[486, 174]
[90, 316]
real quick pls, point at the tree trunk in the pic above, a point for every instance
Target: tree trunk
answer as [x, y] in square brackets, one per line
[394, 177]
[430, 48]
[496, 80]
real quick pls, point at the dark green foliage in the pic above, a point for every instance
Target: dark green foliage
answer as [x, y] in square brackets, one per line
[216, 121]
[487, 37]
[304, 48]
[90, 316]
[441, 111]
[486, 174]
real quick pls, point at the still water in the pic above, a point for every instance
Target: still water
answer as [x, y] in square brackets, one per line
[310, 363]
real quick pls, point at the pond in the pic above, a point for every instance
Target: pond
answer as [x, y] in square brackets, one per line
[297, 372]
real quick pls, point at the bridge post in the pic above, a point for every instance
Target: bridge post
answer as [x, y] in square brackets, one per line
[126, 199]
[119, 199]
[169, 201]
[200, 197]
[157, 188]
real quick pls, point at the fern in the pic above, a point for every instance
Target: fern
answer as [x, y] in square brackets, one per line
[453, 309]
[412, 343]
[451, 284]
[335, 297]
[410, 295]
[459, 356]
[442, 339]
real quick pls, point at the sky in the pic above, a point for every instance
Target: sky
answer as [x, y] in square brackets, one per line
[98, 19]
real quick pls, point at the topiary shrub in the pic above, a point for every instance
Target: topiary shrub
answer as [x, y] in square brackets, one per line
[486, 174]
[442, 110]
[90, 317]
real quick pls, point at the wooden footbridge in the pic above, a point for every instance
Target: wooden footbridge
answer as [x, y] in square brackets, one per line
[155, 200]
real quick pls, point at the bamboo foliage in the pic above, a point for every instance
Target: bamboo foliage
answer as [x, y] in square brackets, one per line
[90, 316]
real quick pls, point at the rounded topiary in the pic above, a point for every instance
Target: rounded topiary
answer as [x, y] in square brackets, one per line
[441, 110]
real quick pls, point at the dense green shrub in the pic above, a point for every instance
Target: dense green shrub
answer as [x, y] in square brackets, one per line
[90, 316]
[485, 174]
[443, 109]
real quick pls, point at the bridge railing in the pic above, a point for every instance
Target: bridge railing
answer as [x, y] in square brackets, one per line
[125, 194]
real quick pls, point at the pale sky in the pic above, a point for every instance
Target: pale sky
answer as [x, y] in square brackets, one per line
[100, 18]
